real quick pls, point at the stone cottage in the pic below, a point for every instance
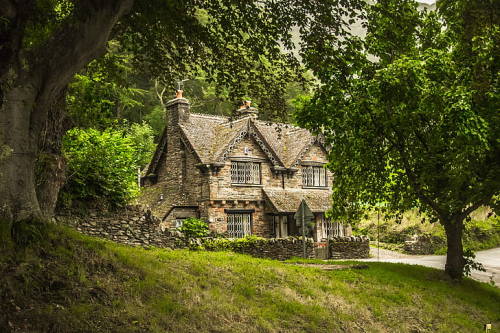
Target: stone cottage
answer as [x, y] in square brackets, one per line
[244, 176]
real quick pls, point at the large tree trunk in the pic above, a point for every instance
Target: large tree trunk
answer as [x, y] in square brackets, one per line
[30, 82]
[17, 164]
[50, 171]
[455, 261]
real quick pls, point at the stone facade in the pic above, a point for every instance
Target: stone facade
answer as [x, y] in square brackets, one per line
[193, 174]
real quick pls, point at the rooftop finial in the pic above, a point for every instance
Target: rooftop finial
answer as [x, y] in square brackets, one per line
[180, 84]
[178, 93]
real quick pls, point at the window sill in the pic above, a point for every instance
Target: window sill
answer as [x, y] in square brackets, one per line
[316, 187]
[246, 185]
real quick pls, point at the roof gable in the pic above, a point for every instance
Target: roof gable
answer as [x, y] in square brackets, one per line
[212, 138]
[316, 141]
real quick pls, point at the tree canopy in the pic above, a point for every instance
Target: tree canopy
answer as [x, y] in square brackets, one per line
[411, 113]
[238, 44]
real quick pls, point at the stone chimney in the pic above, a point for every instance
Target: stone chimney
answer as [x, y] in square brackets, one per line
[246, 110]
[177, 109]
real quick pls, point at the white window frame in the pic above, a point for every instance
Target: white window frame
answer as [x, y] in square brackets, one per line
[178, 223]
[331, 229]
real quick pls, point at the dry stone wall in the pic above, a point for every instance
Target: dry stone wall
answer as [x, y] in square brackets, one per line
[138, 227]
[278, 248]
[349, 247]
[134, 227]
[423, 244]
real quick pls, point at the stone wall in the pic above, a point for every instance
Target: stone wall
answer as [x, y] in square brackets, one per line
[277, 248]
[138, 227]
[349, 247]
[132, 227]
[423, 244]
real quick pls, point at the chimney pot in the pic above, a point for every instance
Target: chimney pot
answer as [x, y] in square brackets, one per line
[246, 110]
[178, 93]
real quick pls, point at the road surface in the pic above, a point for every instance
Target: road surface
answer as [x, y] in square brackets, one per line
[489, 258]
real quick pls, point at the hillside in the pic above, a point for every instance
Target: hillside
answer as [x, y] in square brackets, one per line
[74, 283]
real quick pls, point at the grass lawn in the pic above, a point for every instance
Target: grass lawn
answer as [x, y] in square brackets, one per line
[75, 283]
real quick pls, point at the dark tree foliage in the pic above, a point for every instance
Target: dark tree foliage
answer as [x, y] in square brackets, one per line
[239, 44]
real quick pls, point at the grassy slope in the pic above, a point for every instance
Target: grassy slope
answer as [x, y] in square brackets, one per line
[75, 283]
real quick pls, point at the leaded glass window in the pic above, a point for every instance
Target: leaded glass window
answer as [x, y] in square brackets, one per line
[245, 172]
[314, 176]
[239, 225]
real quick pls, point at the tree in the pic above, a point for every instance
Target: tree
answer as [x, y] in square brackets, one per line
[411, 113]
[45, 43]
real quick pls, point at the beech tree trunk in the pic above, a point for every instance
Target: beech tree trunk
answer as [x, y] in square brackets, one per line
[50, 170]
[30, 83]
[455, 261]
[17, 164]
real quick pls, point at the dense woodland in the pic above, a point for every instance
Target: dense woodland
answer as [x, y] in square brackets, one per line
[410, 110]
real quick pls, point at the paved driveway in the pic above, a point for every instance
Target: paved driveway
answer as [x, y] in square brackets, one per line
[489, 258]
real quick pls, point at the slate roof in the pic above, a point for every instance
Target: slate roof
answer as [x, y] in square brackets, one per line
[203, 132]
[286, 140]
[210, 136]
[288, 200]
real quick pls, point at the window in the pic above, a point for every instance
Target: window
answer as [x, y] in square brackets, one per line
[239, 225]
[331, 229]
[314, 176]
[245, 172]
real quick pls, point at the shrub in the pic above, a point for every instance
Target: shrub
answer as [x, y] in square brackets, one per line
[193, 227]
[236, 245]
[102, 167]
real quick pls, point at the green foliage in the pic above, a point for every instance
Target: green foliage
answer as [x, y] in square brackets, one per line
[411, 112]
[417, 125]
[156, 119]
[193, 228]
[102, 167]
[470, 264]
[108, 89]
[481, 233]
[141, 137]
[225, 244]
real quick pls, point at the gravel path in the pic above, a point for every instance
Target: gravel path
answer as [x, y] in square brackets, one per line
[489, 258]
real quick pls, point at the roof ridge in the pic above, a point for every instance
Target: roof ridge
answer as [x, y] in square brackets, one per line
[206, 115]
[281, 124]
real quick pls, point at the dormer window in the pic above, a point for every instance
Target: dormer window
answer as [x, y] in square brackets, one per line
[243, 172]
[314, 176]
